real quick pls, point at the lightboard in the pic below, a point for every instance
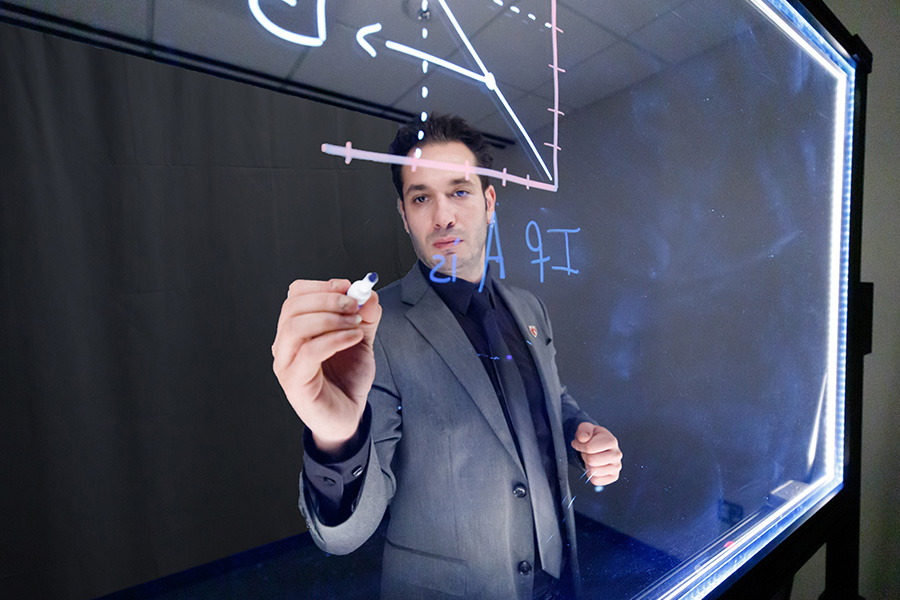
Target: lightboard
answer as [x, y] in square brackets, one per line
[677, 190]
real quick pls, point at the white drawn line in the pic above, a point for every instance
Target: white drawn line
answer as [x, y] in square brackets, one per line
[361, 37]
[522, 129]
[290, 36]
[462, 35]
[489, 77]
[435, 60]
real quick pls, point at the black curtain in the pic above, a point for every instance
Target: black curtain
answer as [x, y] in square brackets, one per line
[151, 219]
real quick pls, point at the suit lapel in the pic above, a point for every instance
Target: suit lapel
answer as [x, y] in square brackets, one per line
[436, 323]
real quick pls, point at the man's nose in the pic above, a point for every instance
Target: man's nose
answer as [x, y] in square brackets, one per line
[444, 214]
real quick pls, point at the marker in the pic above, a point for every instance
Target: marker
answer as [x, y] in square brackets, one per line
[361, 290]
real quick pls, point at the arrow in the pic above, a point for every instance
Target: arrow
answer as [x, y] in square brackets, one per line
[361, 37]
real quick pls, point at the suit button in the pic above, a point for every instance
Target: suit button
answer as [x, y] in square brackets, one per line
[524, 567]
[519, 490]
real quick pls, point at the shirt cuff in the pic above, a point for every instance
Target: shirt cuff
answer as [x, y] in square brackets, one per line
[335, 484]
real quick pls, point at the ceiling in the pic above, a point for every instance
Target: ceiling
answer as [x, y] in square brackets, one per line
[604, 46]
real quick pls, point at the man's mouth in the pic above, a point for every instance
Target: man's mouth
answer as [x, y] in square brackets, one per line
[445, 243]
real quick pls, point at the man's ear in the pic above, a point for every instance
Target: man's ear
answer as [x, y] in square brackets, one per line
[490, 202]
[402, 212]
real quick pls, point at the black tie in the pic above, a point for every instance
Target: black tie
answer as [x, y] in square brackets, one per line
[543, 507]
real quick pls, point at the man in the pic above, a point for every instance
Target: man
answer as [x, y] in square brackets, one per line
[452, 414]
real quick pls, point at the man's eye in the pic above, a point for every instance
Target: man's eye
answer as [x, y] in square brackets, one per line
[461, 193]
[419, 199]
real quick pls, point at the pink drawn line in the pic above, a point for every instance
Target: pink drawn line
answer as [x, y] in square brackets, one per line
[349, 153]
[555, 68]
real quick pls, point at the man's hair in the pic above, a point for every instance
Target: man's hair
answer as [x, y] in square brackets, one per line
[436, 130]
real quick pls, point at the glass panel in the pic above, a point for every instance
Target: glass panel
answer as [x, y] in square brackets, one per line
[673, 181]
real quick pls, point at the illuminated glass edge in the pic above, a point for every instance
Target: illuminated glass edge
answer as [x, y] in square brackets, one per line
[703, 580]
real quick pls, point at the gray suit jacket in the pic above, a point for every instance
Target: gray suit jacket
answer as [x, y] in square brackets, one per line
[441, 455]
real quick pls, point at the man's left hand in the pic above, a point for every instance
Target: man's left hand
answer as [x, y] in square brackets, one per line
[600, 452]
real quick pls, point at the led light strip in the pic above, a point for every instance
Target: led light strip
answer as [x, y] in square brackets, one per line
[841, 155]
[690, 587]
[705, 578]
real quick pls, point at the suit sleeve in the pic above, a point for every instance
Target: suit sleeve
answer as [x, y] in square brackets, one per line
[338, 532]
[333, 485]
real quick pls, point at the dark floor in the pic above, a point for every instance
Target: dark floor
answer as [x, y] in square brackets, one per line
[613, 566]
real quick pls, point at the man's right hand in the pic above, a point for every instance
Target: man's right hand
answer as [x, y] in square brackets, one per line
[324, 358]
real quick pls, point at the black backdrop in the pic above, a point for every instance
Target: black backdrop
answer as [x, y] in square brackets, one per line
[151, 219]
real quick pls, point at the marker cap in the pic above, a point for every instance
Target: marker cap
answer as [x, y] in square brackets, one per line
[361, 290]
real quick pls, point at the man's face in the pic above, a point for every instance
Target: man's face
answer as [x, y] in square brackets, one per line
[445, 215]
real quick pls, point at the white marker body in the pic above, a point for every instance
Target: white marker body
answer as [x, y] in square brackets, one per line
[361, 290]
